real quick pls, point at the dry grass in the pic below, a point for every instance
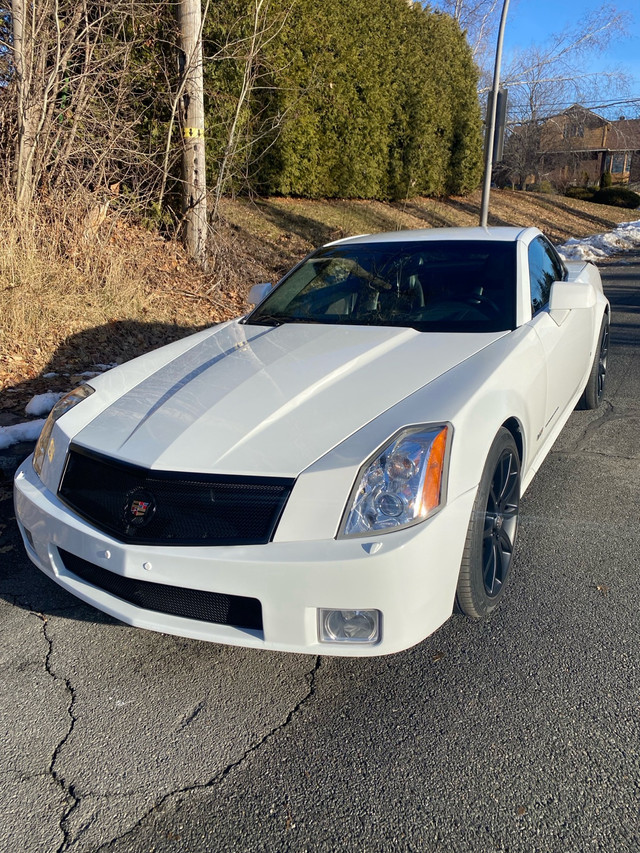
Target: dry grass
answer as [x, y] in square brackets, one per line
[80, 286]
[281, 221]
[73, 295]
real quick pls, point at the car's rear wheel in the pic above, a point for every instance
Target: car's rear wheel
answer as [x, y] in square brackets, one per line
[492, 530]
[594, 389]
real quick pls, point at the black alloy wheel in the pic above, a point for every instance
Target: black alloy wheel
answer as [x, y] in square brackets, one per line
[492, 531]
[602, 361]
[500, 523]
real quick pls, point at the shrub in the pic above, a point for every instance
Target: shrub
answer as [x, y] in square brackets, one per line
[605, 180]
[542, 187]
[393, 116]
[582, 193]
[617, 197]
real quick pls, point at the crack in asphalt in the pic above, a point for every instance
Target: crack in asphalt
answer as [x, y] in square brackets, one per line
[601, 453]
[67, 790]
[609, 413]
[605, 415]
[219, 777]
[190, 717]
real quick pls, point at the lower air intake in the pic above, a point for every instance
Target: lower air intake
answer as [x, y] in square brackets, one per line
[216, 607]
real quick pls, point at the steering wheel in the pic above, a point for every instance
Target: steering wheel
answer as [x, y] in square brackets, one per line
[481, 299]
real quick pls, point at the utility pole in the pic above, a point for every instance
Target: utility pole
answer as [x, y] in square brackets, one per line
[194, 182]
[492, 108]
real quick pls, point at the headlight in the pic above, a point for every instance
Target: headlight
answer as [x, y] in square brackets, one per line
[402, 484]
[61, 407]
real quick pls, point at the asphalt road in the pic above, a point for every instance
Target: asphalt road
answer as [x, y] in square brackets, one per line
[517, 734]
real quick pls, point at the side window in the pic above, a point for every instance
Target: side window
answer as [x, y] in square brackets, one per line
[544, 269]
[559, 270]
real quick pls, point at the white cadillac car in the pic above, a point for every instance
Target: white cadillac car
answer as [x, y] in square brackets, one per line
[336, 471]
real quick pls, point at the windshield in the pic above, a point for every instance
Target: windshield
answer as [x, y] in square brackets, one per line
[431, 286]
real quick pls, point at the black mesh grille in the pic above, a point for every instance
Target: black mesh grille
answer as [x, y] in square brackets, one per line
[177, 601]
[167, 508]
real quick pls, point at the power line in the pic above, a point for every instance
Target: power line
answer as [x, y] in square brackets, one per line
[549, 107]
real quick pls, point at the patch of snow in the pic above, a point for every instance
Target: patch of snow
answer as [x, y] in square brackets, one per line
[28, 431]
[42, 404]
[49, 375]
[89, 373]
[106, 366]
[601, 246]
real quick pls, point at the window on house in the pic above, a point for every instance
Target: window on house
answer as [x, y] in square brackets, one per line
[573, 129]
[618, 163]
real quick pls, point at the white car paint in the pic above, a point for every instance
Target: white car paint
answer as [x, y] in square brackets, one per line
[314, 402]
[239, 389]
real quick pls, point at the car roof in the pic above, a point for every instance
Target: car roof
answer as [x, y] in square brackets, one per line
[497, 234]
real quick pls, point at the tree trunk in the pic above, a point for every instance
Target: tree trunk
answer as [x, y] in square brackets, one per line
[25, 142]
[194, 187]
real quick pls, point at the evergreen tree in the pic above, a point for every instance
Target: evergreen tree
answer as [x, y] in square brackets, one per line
[351, 99]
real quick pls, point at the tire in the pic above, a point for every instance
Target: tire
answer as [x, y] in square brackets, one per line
[491, 535]
[594, 389]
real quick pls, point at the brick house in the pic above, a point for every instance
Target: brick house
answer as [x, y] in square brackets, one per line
[577, 146]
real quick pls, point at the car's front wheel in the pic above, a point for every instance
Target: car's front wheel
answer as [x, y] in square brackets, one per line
[492, 530]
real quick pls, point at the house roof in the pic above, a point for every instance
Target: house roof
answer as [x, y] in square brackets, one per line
[583, 112]
[624, 135]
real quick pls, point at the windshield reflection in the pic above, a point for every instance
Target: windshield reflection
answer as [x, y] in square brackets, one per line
[431, 286]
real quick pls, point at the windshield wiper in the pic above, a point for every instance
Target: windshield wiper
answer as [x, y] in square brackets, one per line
[279, 319]
[266, 320]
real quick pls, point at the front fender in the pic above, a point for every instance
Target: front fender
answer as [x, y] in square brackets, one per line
[506, 380]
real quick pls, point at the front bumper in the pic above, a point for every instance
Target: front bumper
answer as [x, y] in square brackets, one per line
[410, 575]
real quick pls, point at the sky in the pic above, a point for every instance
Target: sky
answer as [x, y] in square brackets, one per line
[532, 21]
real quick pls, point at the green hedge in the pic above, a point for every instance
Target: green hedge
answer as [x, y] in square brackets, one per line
[615, 196]
[352, 99]
[582, 193]
[618, 197]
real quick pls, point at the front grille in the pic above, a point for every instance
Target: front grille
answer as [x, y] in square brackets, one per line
[215, 607]
[137, 505]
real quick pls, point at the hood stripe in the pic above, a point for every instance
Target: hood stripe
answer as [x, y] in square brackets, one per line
[185, 380]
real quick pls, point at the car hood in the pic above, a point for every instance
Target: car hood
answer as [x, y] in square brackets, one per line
[269, 400]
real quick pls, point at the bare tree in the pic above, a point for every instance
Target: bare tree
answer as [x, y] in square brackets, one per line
[253, 46]
[246, 125]
[41, 54]
[82, 84]
[545, 77]
[479, 19]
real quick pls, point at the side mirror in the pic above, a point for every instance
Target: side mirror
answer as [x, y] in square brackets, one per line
[568, 296]
[258, 292]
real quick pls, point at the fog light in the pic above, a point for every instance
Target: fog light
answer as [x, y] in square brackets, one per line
[349, 626]
[29, 536]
